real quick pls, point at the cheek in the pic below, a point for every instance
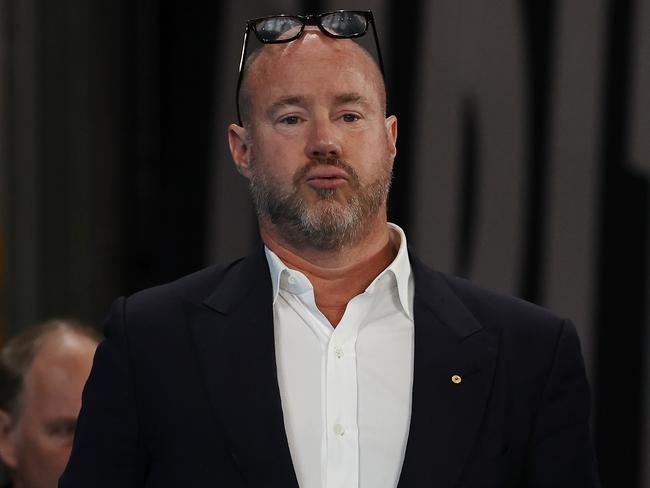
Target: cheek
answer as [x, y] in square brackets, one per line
[278, 149]
[276, 165]
[43, 462]
[372, 141]
[60, 456]
[39, 448]
[371, 157]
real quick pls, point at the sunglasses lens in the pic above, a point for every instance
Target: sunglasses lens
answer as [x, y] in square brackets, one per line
[276, 29]
[345, 24]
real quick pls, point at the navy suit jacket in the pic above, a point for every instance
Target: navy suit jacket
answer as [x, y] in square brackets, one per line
[184, 390]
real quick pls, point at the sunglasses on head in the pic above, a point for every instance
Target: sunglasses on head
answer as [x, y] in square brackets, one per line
[275, 29]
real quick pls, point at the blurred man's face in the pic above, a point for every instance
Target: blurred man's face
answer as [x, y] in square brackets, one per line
[319, 149]
[41, 437]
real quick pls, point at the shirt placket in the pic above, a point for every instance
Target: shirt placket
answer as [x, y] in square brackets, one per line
[341, 426]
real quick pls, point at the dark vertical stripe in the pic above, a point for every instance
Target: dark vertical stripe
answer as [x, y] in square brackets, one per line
[468, 197]
[167, 201]
[539, 19]
[404, 50]
[143, 96]
[622, 267]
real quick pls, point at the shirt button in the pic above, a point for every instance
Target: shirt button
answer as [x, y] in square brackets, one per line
[339, 429]
[292, 280]
[338, 352]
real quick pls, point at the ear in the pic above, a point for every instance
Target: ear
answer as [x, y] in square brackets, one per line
[391, 131]
[239, 148]
[7, 440]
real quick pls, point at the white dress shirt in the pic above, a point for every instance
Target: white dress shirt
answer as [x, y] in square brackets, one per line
[346, 391]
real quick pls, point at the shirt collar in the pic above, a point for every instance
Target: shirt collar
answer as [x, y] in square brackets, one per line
[276, 268]
[400, 269]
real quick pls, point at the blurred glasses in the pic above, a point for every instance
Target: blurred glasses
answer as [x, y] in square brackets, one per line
[275, 29]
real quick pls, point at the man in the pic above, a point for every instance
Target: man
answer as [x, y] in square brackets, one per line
[42, 374]
[331, 357]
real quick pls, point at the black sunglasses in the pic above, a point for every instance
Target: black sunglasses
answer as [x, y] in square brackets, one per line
[275, 29]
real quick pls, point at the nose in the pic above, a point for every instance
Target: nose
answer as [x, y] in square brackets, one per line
[324, 140]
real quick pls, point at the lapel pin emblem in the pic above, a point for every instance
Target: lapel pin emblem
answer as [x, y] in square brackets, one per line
[456, 379]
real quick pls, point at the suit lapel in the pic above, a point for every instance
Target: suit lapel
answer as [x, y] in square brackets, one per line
[445, 414]
[233, 332]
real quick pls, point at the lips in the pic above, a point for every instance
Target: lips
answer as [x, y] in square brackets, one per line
[326, 177]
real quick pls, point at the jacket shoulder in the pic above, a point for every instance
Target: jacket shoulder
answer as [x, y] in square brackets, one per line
[497, 313]
[527, 331]
[163, 307]
[485, 302]
[193, 287]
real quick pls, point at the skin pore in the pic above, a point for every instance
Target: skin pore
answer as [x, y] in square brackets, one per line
[318, 146]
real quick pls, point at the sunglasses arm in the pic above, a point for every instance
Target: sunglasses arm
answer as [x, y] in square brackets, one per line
[243, 49]
[381, 61]
[241, 71]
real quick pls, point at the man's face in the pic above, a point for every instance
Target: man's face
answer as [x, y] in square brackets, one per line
[318, 150]
[43, 431]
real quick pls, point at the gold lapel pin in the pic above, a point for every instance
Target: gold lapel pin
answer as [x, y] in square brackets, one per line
[456, 379]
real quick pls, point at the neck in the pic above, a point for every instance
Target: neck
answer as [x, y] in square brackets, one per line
[336, 275]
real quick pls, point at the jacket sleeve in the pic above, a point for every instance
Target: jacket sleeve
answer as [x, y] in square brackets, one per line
[562, 453]
[108, 449]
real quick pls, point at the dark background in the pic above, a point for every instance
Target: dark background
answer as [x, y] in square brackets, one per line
[524, 162]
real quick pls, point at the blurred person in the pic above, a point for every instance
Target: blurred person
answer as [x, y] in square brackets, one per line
[331, 357]
[42, 374]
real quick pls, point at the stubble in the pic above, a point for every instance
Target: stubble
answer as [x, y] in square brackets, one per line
[330, 222]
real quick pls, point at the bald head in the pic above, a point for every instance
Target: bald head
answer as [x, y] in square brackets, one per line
[273, 63]
[63, 336]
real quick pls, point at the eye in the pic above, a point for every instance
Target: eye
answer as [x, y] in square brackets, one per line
[62, 428]
[290, 120]
[350, 117]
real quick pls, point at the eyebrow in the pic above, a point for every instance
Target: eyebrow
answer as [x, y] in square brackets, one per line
[352, 98]
[298, 100]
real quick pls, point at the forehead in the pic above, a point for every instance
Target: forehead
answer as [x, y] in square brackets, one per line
[60, 367]
[316, 64]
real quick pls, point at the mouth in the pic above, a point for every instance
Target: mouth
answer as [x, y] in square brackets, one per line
[326, 177]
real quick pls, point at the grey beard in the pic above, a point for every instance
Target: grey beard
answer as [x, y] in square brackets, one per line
[328, 224]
